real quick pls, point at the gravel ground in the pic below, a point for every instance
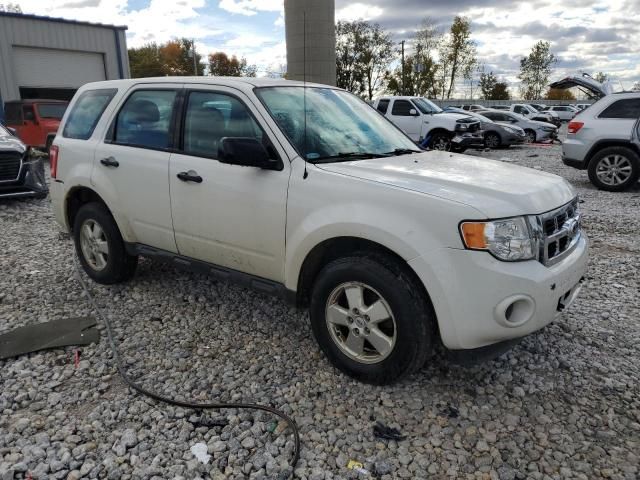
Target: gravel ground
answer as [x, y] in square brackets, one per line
[564, 403]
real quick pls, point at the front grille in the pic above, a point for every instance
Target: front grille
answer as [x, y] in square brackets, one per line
[10, 163]
[560, 232]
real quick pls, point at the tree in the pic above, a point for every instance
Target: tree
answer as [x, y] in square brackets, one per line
[174, 57]
[349, 69]
[377, 54]
[535, 70]
[421, 69]
[222, 65]
[500, 91]
[488, 83]
[636, 87]
[10, 8]
[457, 54]
[559, 94]
[601, 77]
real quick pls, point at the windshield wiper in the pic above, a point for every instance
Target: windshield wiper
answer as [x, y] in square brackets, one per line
[348, 156]
[403, 151]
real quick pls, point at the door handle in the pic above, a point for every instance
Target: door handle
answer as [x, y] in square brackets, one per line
[110, 162]
[190, 176]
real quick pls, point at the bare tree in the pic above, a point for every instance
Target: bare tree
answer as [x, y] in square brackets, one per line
[458, 53]
[10, 7]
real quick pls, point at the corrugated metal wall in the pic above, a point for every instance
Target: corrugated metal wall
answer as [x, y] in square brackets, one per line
[27, 31]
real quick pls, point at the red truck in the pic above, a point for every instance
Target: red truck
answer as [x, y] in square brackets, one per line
[35, 121]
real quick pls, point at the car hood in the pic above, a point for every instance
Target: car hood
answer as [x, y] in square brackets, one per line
[455, 116]
[9, 143]
[494, 188]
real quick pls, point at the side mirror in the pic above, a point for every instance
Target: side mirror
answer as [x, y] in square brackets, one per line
[413, 112]
[247, 152]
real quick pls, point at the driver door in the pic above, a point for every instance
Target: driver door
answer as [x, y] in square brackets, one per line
[227, 215]
[409, 123]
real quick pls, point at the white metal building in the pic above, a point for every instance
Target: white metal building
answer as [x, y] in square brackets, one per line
[44, 57]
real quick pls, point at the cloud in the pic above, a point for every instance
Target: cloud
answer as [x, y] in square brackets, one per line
[251, 7]
[359, 11]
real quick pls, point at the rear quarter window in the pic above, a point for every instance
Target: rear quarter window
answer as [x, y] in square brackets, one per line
[628, 108]
[86, 113]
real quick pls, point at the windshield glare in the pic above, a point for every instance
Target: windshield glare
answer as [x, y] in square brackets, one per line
[337, 122]
[52, 110]
[426, 106]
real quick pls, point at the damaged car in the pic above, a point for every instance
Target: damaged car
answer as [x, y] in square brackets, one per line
[21, 174]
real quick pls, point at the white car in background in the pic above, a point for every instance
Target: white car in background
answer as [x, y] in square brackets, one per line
[564, 112]
[534, 130]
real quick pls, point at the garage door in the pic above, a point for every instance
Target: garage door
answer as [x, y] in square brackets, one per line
[41, 67]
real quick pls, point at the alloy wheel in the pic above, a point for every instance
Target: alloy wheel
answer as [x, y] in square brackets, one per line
[360, 322]
[94, 244]
[614, 170]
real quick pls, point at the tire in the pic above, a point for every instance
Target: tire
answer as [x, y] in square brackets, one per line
[492, 140]
[530, 136]
[440, 141]
[614, 169]
[408, 330]
[103, 235]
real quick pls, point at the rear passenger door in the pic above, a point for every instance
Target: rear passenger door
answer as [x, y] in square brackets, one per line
[229, 215]
[132, 165]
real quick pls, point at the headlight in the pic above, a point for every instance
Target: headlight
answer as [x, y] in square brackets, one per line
[461, 127]
[549, 129]
[509, 239]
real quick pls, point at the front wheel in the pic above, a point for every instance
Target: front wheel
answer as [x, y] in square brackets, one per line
[100, 247]
[614, 169]
[440, 141]
[530, 136]
[492, 140]
[371, 319]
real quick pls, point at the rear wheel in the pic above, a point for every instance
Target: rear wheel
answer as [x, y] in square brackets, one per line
[371, 319]
[530, 135]
[492, 140]
[100, 247]
[614, 169]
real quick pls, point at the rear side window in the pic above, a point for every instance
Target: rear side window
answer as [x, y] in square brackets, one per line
[627, 108]
[383, 105]
[86, 113]
[28, 113]
[402, 108]
[145, 119]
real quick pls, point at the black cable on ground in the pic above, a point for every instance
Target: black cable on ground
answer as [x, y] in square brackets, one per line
[181, 403]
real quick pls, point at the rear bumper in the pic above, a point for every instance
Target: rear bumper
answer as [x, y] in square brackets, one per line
[572, 162]
[468, 139]
[574, 153]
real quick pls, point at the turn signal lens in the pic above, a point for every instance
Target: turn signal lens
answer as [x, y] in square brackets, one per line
[473, 234]
[53, 160]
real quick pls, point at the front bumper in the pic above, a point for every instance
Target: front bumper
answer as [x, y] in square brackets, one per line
[471, 293]
[513, 139]
[31, 181]
[468, 139]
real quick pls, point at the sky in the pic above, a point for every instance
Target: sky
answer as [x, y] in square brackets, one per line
[589, 35]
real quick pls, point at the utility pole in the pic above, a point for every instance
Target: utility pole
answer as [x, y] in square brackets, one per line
[195, 61]
[402, 43]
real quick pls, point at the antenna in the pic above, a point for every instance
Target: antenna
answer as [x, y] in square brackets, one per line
[304, 90]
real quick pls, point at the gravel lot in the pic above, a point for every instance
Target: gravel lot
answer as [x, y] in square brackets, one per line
[564, 403]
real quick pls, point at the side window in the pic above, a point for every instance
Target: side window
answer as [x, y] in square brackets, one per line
[383, 105]
[519, 110]
[627, 108]
[402, 108]
[212, 116]
[145, 118]
[86, 112]
[28, 114]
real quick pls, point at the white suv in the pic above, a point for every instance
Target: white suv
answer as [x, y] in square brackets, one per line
[310, 194]
[599, 140]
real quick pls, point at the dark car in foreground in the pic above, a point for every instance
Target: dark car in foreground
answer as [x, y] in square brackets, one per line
[21, 175]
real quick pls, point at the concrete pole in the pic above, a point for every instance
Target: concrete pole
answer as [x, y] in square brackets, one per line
[320, 40]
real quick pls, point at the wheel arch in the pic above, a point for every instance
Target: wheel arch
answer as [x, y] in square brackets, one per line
[76, 198]
[602, 144]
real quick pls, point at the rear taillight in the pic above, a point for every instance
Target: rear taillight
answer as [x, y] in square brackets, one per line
[53, 160]
[574, 127]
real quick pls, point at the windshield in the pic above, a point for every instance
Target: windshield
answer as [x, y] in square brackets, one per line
[52, 110]
[337, 123]
[426, 106]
